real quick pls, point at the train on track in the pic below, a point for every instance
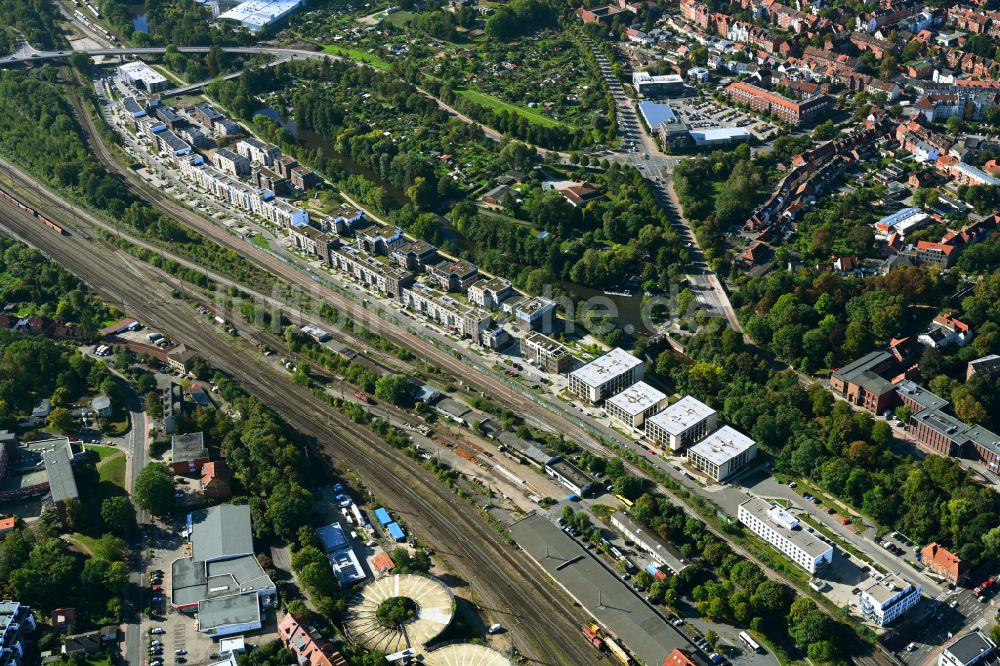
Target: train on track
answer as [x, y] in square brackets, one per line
[31, 211]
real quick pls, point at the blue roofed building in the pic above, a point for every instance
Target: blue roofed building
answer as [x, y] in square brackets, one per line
[396, 532]
[655, 114]
[382, 516]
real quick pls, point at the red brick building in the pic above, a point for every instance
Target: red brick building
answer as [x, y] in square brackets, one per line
[216, 480]
[782, 108]
[862, 383]
[944, 563]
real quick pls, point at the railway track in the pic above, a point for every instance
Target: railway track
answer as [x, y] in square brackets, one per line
[542, 621]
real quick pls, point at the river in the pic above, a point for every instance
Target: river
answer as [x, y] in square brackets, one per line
[137, 11]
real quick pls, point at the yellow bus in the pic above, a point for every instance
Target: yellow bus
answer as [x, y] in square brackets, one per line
[626, 501]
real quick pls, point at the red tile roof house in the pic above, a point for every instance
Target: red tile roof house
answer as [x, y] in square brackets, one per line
[946, 330]
[216, 481]
[944, 563]
[580, 194]
[309, 647]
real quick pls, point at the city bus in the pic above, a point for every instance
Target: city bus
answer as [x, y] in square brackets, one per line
[626, 501]
[749, 641]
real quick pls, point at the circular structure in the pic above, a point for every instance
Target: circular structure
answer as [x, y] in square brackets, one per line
[434, 611]
[465, 654]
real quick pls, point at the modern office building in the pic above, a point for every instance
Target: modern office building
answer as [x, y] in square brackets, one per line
[722, 454]
[681, 424]
[647, 85]
[141, 75]
[605, 376]
[781, 529]
[632, 406]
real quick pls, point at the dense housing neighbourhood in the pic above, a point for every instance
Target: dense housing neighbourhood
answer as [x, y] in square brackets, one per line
[838, 168]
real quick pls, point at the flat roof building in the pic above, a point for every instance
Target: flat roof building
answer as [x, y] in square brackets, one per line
[885, 600]
[188, 453]
[258, 15]
[723, 453]
[648, 85]
[659, 550]
[337, 546]
[141, 75]
[59, 469]
[633, 405]
[682, 423]
[970, 649]
[781, 529]
[222, 579]
[606, 375]
[570, 476]
[550, 355]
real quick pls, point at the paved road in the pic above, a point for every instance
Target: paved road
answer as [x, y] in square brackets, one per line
[137, 446]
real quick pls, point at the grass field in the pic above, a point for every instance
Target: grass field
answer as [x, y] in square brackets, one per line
[499, 105]
[111, 467]
[355, 54]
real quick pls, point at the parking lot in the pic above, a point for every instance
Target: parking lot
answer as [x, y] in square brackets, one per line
[707, 113]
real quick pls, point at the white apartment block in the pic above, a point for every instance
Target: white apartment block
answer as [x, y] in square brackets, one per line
[438, 306]
[633, 405]
[885, 600]
[257, 151]
[383, 278]
[489, 294]
[723, 453]
[606, 376]
[258, 201]
[681, 424]
[780, 529]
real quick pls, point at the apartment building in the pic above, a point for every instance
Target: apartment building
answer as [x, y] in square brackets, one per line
[266, 179]
[548, 354]
[781, 529]
[304, 178]
[944, 563]
[606, 376]
[414, 255]
[231, 163]
[632, 406]
[17, 624]
[535, 314]
[722, 454]
[456, 275]
[256, 200]
[257, 151]
[883, 601]
[790, 111]
[681, 424]
[464, 320]
[489, 294]
[384, 278]
[312, 241]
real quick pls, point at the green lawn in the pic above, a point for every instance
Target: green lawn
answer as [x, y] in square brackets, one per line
[259, 239]
[355, 54]
[499, 105]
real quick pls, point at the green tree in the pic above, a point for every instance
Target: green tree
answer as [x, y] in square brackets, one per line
[61, 420]
[154, 489]
[118, 515]
[394, 388]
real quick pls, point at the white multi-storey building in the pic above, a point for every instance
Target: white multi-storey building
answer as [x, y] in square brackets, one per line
[682, 423]
[606, 376]
[885, 600]
[633, 405]
[257, 151]
[723, 453]
[781, 529]
[970, 649]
